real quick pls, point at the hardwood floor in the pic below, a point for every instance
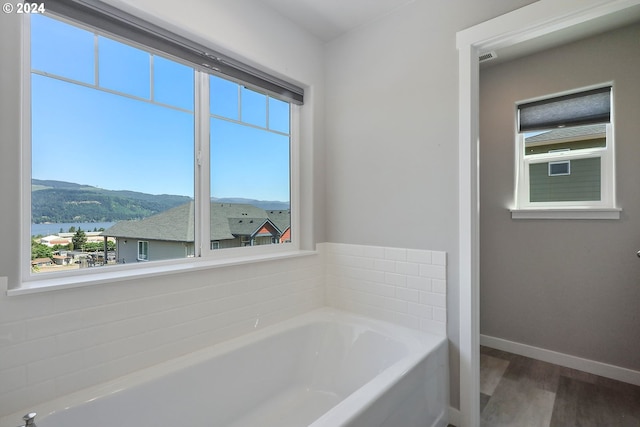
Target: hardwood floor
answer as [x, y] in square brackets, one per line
[522, 392]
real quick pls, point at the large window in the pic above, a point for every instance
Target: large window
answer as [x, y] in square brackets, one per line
[565, 152]
[151, 152]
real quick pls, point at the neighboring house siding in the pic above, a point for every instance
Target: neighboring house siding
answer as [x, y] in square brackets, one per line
[159, 250]
[582, 184]
[230, 243]
[127, 250]
[262, 240]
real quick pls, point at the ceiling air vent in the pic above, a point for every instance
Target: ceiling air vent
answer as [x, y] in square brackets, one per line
[487, 56]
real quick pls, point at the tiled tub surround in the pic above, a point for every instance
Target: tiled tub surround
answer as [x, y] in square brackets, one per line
[404, 286]
[326, 368]
[55, 343]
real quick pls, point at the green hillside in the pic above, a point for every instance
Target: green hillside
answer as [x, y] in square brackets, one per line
[59, 201]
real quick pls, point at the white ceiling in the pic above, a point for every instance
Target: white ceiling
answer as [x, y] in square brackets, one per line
[328, 19]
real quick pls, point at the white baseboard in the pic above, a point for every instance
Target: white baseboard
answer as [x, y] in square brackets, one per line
[454, 416]
[586, 365]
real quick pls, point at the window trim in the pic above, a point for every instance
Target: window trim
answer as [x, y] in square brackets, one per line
[605, 208]
[205, 258]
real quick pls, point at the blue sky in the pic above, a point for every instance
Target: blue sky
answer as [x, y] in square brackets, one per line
[115, 141]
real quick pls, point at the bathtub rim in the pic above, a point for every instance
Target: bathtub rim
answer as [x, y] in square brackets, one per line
[419, 344]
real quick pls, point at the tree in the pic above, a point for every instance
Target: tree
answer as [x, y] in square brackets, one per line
[39, 250]
[79, 239]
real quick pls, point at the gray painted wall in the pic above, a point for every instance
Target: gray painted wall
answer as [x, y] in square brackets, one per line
[571, 286]
[392, 135]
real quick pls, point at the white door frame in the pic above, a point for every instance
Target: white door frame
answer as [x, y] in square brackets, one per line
[538, 19]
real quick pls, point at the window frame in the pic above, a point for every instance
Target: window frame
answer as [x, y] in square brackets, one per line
[605, 208]
[205, 257]
[143, 255]
[561, 162]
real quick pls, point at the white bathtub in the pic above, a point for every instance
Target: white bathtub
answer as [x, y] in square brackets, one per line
[324, 369]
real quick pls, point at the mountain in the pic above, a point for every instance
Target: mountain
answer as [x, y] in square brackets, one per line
[267, 205]
[60, 201]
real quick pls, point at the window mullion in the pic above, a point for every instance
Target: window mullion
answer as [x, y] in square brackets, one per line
[202, 165]
[565, 155]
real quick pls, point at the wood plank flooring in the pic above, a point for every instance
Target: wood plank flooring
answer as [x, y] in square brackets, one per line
[517, 391]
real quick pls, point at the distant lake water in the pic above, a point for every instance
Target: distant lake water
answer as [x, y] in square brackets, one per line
[54, 228]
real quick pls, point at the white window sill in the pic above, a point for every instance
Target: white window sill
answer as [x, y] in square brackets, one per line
[566, 213]
[148, 270]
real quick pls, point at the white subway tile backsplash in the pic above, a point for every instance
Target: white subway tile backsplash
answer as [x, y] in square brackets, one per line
[13, 379]
[408, 294]
[378, 289]
[438, 286]
[42, 327]
[440, 314]
[419, 256]
[438, 258]
[25, 352]
[11, 333]
[419, 283]
[431, 325]
[16, 398]
[58, 342]
[409, 320]
[408, 268]
[417, 276]
[384, 265]
[53, 367]
[396, 279]
[433, 300]
[375, 252]
[433, 271]
[421, 310]
[395, 254]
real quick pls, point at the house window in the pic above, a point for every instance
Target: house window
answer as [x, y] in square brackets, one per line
[559, 168]
[135, 133]
[565, 152]
[143, 251]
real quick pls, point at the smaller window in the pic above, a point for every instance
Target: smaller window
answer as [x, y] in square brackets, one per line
[215, 245]
[143, 250]
[565, 152]
[560, 168]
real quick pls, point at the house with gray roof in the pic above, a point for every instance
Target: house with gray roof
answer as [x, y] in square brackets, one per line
[564, 179]
[170, 234]
[569, 138]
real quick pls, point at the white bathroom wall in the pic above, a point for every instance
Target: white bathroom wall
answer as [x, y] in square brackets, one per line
[404, 286]
[392, 135]
[56, 342]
